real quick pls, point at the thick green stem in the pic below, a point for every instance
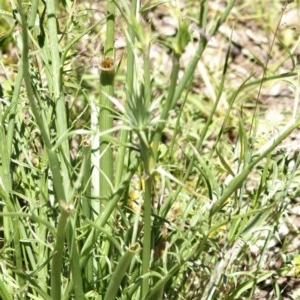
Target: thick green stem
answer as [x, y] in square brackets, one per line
[120, 272]
[107, 67]
[106, 123]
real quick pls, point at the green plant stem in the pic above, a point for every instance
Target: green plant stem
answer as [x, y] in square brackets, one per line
[120, 272]
[60, 106]
[110, 29]
[86, 178]
[168, 105]
[146, 252]
[105, 123]
[75, 266]
[106, 118]
[149, 165]
[106, 107]
[129, 92]
[146, 256]
[84, 184]
[58, 255]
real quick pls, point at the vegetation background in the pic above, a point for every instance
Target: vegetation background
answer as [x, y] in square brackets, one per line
[149, 149]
